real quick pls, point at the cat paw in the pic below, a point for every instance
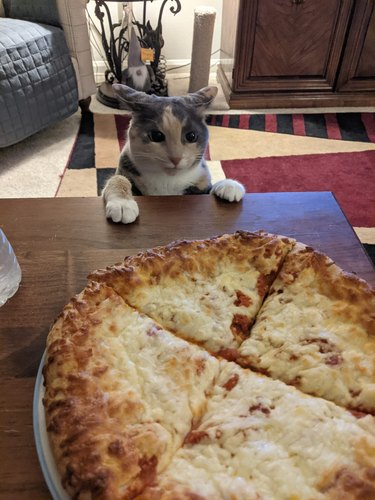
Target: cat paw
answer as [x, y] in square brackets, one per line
[228, 189]
[120, 210]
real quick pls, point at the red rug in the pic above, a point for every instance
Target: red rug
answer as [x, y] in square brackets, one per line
[350, 176]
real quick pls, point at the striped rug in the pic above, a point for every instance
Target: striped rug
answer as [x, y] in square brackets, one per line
[342, 126]
[267, 152]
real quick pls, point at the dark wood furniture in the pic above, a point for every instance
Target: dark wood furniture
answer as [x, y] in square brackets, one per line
[59, 241]
[298, 53]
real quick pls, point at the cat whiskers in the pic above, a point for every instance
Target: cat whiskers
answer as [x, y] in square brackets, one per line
[198, 158]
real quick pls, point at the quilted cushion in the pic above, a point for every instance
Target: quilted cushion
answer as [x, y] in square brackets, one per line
[41, 11]
[37, 80]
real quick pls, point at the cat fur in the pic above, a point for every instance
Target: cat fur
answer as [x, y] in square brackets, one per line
[173, 166]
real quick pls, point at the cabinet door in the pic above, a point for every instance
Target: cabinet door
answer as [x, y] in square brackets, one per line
[358, 65]
[289, 45]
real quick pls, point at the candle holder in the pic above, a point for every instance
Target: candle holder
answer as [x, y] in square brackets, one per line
[115, 38]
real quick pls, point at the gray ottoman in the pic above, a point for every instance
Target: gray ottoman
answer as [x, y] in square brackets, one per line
[37, 81]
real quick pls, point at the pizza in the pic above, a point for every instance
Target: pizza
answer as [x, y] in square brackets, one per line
[237, 367]
[259, 438]
[208, 292]
[119, 406]
[317, 331]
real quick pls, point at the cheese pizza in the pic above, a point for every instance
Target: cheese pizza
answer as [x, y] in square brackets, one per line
[121, 394]
[239, 367]
[259, 438]
[316, 331]
[208, 292]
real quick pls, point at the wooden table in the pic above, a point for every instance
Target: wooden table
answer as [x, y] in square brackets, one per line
[59, 241]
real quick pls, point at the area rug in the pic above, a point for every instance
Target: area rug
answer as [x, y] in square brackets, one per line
[31, 168]
[345, 126]
[266, 152]
[350, 176]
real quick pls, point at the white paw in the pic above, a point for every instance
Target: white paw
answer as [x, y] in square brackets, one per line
[228, 189]
[120, 210]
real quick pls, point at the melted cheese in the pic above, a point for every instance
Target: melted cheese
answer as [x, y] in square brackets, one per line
[136, 388]
[263, 439]
[311, 337]
[201, 310]
[133, 411]
[206, 291]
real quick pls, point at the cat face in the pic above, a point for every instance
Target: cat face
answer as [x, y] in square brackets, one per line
[166, 133]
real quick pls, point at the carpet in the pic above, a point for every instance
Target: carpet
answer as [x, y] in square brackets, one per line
[266, 152]
[33, 167]
[350, 176]
[344, 126]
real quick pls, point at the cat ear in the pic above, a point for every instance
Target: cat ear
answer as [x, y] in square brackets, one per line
[131, 99]
[202, 98]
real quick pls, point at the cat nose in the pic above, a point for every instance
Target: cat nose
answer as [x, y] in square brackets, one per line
[175, 160]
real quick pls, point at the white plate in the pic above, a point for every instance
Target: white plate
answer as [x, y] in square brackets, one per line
[46, 460]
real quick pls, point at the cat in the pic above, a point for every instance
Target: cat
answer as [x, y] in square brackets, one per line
[164, 152]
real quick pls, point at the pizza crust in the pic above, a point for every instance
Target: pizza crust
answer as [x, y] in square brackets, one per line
[316, 330]
[141, 404]
[259, 438]
[121, 394]
[209, 291]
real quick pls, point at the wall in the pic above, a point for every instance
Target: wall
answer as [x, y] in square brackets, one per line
[177, 30]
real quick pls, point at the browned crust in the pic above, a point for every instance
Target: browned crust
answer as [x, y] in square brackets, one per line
[351, 485]
[331, 281]
[95, 439]
[263, 250]
[185, 262]
[91, 455]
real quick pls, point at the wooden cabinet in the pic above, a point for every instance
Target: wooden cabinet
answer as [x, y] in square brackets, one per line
[298, 53]
[357, 70]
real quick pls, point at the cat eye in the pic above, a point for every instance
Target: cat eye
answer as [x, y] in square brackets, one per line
[191, 136]
[156, 136]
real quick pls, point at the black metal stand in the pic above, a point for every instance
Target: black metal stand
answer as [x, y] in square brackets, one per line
[106, 96]
[116, 47]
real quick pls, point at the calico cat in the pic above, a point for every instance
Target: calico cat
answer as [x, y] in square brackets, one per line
[163, 155]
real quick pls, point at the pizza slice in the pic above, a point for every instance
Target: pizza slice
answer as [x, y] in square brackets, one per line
[208, 292]
[261, 439]
[121, 395]
[316, 330]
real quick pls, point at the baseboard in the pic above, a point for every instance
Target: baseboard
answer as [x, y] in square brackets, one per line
[173, 66]
[99, 70]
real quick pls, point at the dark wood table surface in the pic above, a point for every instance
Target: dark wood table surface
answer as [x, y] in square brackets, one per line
[59, 241]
